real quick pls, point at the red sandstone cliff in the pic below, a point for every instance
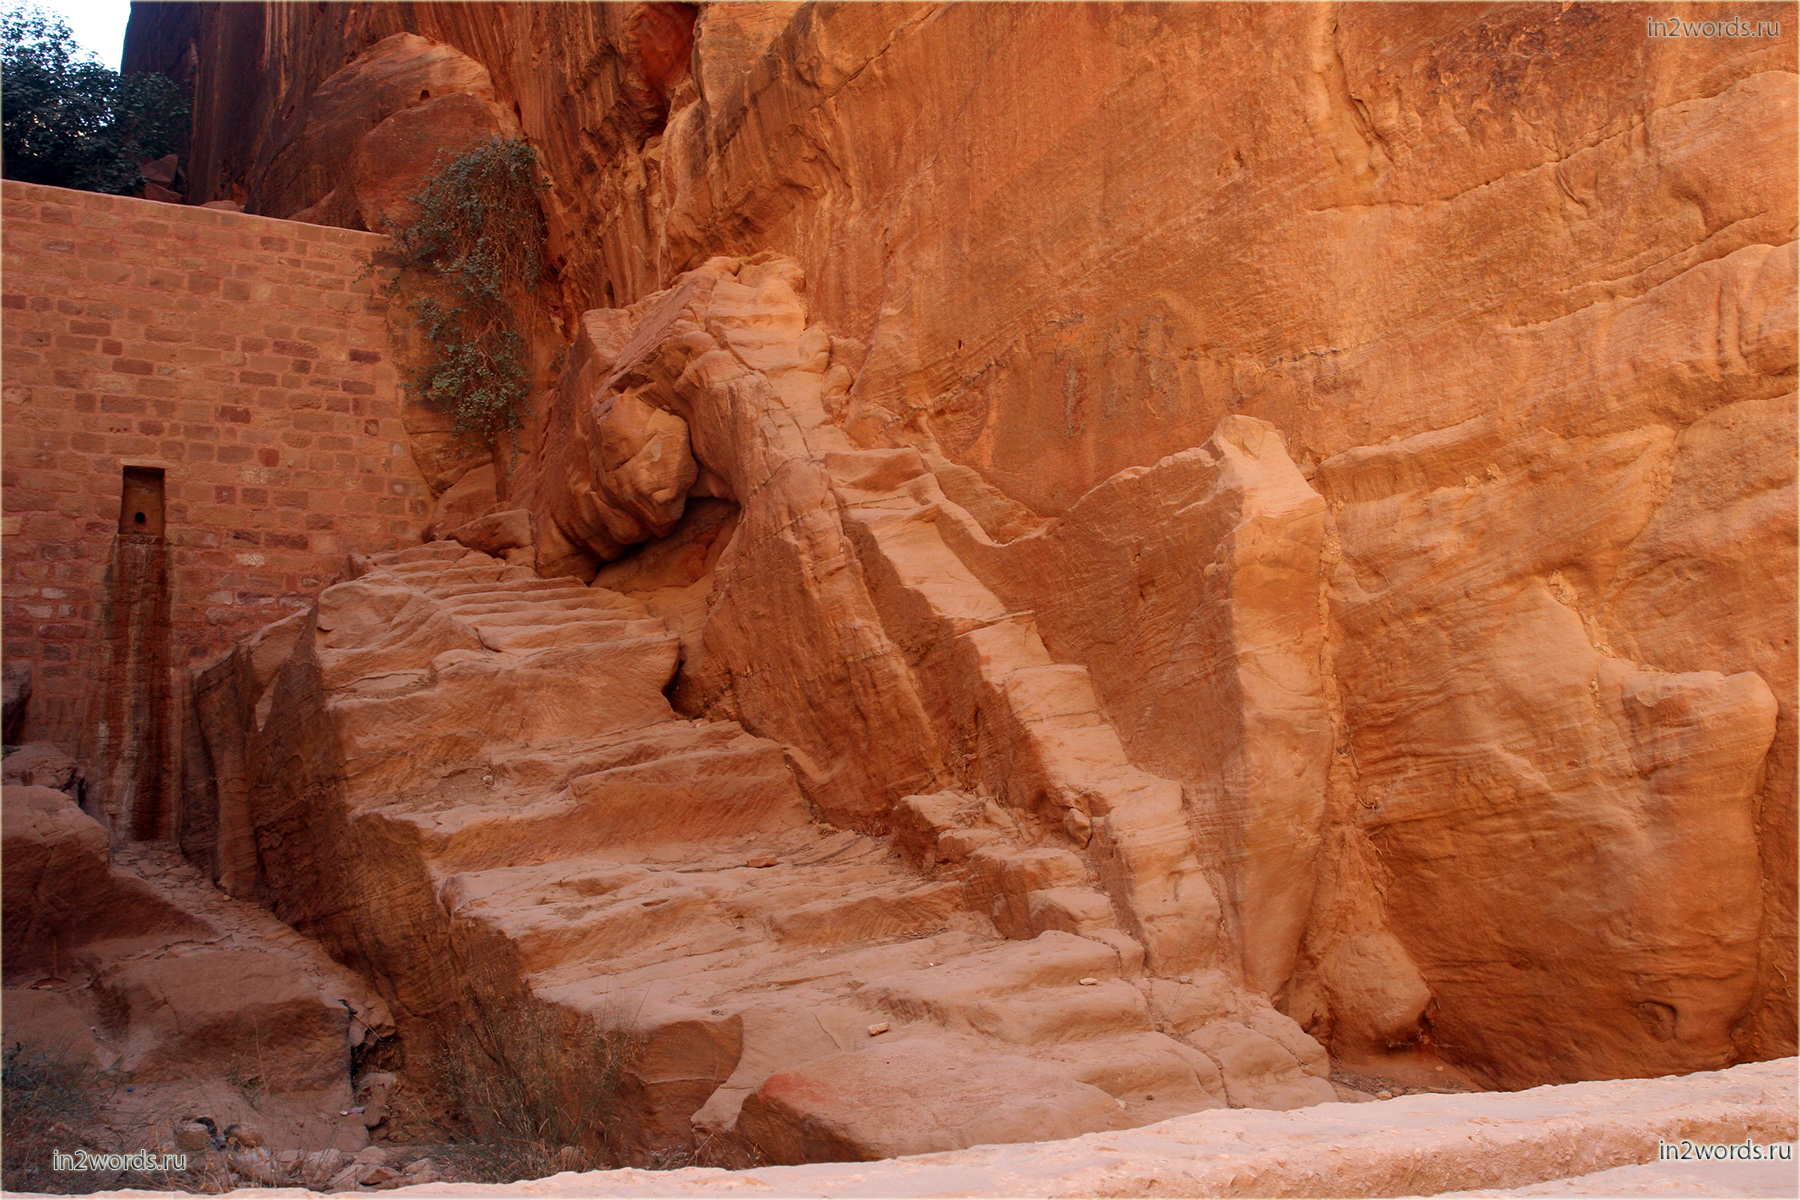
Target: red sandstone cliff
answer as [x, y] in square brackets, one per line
[1385, 417]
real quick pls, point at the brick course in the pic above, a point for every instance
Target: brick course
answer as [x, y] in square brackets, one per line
[249, 359]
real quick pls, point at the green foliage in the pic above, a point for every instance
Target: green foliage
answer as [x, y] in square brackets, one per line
[474, 248]
[72, 122]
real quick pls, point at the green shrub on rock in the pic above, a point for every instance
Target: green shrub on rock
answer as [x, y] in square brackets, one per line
[474, 248]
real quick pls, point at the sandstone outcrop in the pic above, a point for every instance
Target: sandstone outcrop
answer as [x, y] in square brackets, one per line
[1661, 766]
[40, 764]
[999, 510]
[61, 891]
[1112, 733]
[129, 963]
[367, 137]
[617, 470]
[566, 833]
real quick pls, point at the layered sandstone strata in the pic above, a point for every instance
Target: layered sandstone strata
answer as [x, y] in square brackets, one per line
[1045, 954]
[1342, 542]
[1111, 733]
[126, 964]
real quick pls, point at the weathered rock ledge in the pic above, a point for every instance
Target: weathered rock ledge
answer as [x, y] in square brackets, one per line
[1415, 1145]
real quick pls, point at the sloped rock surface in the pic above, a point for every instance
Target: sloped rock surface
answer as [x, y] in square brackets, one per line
[1586, 1139]
[129, 962]
[1338, 548]
[61, 891]
[1121, 728]
[555, 830]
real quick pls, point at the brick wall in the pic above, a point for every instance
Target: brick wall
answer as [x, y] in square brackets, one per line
[245, 357]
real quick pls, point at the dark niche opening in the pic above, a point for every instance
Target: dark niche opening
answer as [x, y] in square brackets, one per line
[141, 501]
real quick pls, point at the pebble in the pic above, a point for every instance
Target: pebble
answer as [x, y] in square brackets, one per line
[244, 1135]
[380, 1177]
[1090, 981]
[762, 860]
[877, 1029]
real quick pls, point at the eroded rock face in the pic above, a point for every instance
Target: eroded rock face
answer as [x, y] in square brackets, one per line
[505, 734]
[1340, 548]
[1287, 621]
[61, 891]
[367, 137]
[1190, 590]
[1125, 733]
[1491, 706]
[126, 959]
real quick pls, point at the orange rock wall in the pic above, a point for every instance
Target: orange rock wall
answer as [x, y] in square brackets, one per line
[248, 359]
[589, 83]
[1515, 284]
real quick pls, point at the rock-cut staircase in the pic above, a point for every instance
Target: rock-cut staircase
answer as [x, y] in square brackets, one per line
[503, 814]
[498, 814]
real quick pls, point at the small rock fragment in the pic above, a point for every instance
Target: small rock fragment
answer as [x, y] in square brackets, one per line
[877, 1029]
[1090, 981]
[762, 860]
[258, 1166]
[192, 1136]
[248, 1136]
[425, 1170]
[1079, 825]
[381, 1177]
[316, 1169]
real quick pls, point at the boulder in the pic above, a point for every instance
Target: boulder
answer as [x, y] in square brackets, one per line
[618, 474]
[395, 160]
[472, 494]
[43, 765]
[1377, 993]
[495, 533]
[314, 174]
[62, 894]
[243, 1015]
[922, 1094]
